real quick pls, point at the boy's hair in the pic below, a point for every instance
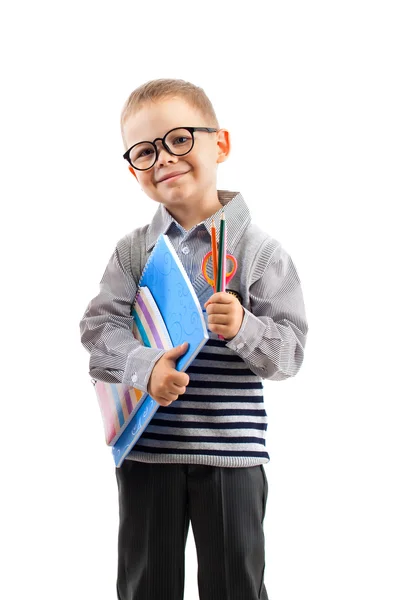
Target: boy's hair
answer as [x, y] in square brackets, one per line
[160, 89]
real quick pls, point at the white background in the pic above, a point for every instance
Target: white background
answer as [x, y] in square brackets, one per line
[316, 85]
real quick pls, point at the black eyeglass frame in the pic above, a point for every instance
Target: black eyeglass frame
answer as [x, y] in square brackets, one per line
[190, 129]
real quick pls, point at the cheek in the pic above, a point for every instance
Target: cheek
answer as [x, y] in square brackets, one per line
[206, 168]
[146, 183]
[200, 171]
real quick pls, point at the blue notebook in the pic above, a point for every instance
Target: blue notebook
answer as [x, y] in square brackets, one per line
[177, 302]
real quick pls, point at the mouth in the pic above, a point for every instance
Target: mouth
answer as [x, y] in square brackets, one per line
[173, 178]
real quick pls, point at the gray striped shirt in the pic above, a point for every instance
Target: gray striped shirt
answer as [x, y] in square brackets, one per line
[221, 418]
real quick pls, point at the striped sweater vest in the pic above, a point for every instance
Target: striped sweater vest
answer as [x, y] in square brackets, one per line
[220, 420]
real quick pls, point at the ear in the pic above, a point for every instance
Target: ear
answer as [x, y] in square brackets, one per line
[224, 145]
[133, 172]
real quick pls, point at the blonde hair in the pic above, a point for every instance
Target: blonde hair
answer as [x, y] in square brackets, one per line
[160, 89]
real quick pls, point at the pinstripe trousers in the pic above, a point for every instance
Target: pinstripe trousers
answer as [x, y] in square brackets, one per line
[226, 508]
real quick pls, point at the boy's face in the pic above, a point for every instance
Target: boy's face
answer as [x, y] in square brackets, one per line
[197, 184]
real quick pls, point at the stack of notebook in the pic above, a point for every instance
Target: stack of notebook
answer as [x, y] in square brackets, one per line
[166, 312]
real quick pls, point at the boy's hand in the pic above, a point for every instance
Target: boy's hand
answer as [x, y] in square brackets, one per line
[165, 382]
[225, 314]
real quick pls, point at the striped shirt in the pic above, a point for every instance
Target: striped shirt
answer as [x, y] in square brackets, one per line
[221, 419]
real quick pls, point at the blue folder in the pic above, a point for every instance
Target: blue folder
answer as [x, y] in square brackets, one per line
[183, 317]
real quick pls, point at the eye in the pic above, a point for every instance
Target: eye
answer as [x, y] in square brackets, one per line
[145, 152]
[181, 139]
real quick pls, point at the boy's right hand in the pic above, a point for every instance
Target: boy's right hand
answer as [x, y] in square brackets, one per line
[165, 382]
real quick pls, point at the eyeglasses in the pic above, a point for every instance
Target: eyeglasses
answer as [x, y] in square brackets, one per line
[143, 155]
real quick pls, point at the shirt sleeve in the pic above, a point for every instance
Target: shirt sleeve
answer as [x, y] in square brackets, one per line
[273, 334]
[106, 327]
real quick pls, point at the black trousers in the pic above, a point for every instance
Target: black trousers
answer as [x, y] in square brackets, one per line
[226, 507]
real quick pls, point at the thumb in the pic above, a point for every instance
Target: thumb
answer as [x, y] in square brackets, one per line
[177, 351]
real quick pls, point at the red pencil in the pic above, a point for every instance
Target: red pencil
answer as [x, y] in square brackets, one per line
[214, 253]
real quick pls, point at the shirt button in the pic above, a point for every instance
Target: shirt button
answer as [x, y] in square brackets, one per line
[239, 346]
[185, 250]
[134, 377]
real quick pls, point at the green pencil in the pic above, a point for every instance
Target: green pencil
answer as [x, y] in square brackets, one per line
[221, 254]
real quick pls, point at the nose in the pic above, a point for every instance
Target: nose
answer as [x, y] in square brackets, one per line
[163, 154]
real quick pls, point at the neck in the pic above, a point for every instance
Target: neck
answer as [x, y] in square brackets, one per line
[189, 217]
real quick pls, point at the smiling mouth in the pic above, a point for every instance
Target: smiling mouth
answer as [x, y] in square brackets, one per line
[172, 178]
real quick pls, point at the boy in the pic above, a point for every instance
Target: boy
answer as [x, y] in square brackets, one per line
[201, 458]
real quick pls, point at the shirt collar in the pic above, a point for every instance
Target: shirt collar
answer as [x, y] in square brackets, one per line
[236, 212]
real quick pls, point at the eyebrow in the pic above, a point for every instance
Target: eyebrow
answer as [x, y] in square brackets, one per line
[159, 137]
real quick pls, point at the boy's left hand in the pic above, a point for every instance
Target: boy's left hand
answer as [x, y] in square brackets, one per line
[225, 314]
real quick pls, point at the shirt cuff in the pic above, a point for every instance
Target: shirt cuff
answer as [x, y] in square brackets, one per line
[139, 366]
[251, 332]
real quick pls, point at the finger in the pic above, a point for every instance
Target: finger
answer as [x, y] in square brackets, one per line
[175, 389]
[218, 308]
[219, 328]
[179, 389]
[218, 318]
[164, 401]
[221, 297]
[182, 379]
[172, 396]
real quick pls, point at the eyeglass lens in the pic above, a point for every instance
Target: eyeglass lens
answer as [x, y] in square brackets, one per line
[179, 141]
